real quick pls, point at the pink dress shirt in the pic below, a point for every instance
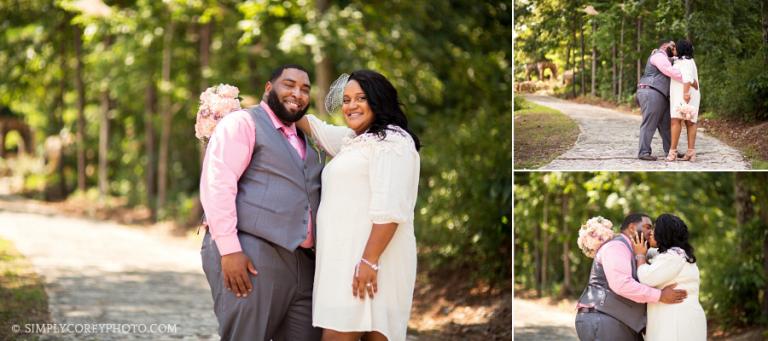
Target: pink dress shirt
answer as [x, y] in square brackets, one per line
[615, 257]
[661, 62]
[226, 158]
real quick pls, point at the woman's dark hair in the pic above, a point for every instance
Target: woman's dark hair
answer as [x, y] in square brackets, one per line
[684, 49]
[671, 232]
[382, 97]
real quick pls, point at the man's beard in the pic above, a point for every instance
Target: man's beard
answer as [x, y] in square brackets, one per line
[280, 111]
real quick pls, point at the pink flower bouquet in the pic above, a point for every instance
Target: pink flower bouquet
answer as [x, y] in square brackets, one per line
[215, 103]
[593, 234]
[687, 111]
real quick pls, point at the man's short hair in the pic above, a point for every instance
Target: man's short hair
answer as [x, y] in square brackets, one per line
[633, 218]
[276, 73]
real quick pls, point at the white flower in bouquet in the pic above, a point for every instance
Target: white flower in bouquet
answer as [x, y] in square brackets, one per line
[215, 103]
[593, 234]
[687, 111]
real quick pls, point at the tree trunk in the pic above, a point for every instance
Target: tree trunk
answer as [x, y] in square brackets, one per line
[150, 108]
[745, 211]
[765, 30]
[205, 33]
[583, 68]
[639, 61]
[323, 67]
[166, 116]
[537, 258]
[104, 143]
[688, 31]
[566, 289]
[545, 244]
[594, 56]
[573, 81]
[613, 70]
[104, 134]
[80, 87]
[58, 119]
[621, 58]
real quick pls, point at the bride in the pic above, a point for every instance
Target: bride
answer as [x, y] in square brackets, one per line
[675, 263]
[684, 99]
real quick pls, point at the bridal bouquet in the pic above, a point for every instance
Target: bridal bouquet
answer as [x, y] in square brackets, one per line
[215, 103]
[687, 111]
[593, 234]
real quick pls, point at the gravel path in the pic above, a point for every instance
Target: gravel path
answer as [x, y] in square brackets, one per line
[104, 273]
[535, 321]
[609, 141]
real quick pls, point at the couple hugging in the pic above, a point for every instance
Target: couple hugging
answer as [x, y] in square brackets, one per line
[668, 95]
[633, 291]
[287, 261]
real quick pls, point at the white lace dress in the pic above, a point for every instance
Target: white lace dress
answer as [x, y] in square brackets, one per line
[368, 181]
[677, 103]
[671, 322]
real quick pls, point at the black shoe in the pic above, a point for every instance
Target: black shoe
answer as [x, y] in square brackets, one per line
[647, 157]
[680, 155]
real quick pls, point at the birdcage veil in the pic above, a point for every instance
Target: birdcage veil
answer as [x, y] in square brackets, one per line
[335, 96]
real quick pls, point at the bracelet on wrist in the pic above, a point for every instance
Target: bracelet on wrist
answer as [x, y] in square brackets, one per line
[373, 266]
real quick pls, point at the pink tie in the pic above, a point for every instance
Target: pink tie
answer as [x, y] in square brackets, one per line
[297, 144]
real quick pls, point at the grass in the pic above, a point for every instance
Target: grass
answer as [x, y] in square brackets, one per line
[21, 293]
[541, 135]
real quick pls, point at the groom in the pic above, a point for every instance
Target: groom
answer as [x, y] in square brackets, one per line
[653, 97]
[612, 306]
[260, 189]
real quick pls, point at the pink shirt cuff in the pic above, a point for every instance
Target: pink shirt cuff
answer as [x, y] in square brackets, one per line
[228, 244]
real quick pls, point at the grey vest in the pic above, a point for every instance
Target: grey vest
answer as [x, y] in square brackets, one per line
[599, 294]
[653, 77]
[277, 190]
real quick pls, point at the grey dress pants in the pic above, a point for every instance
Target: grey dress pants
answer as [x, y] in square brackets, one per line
[655, 109]
[280, 305]
[596, 326]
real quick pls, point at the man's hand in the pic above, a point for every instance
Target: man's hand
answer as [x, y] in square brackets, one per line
[235, 268]
[670, 295]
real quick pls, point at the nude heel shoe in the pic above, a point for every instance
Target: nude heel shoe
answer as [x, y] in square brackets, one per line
[672, 155]
[690, 155]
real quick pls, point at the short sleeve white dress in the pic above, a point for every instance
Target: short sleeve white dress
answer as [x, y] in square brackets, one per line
[674, 322]
[368, 181]
[690, 73]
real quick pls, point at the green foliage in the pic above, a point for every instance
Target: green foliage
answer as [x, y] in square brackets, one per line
[550, 208]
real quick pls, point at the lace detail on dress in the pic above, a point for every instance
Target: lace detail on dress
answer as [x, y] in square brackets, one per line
[396, 141]
[677, 251]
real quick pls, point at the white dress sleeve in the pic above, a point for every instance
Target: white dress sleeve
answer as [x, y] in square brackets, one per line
[664, 268]
[330, 137]
[394, 177]
[686, 70]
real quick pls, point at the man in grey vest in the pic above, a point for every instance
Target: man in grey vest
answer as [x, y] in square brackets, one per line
[613, 305]
[653, 97]
[260, 189]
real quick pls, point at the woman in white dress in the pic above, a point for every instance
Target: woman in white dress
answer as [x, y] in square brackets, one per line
[366, 247]
[684, 101]
[674, 264]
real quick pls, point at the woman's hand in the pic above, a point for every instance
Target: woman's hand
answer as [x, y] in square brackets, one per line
[687, 97]
[364, 282]
[638, 244]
